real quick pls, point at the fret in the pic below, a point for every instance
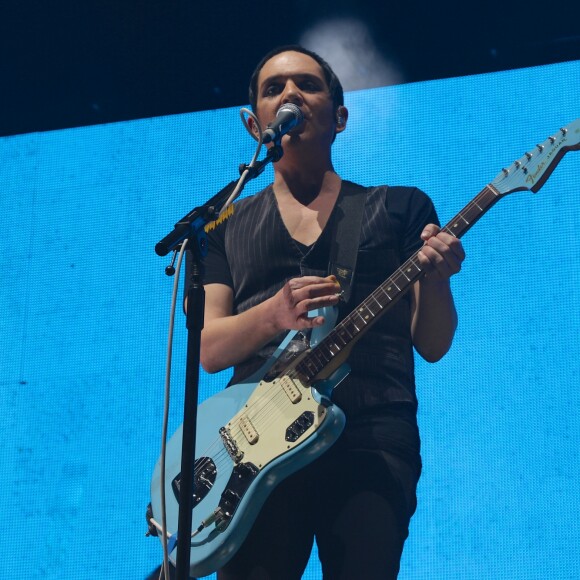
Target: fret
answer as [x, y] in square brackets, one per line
[307, 367]
[393, 288]
[348, 326]
[354, 324]
[409, 269]
[487, 198]
[375, 299]
[450, 231]
[366, 317]
[373, 305]
[321, 356]
[404, 274]
[473, 213]
[376, 304]
[333, 348]
[385, 291]
[315, 362]
[400, 280]
[419, 270]
[358, 313]
[349, 323]
[339, 333]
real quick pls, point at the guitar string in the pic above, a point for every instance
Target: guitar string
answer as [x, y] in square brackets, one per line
[223, 462]
[222, 459]
[294, 373]
[366, 305]
[270, 403]
[275, 402]
[395, 278]
[236, 432]
[273, 406]
[280, 400]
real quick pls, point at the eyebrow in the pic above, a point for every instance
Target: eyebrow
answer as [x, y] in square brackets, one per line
[297, 76]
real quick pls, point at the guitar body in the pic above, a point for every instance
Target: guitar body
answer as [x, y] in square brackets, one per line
[273, 428]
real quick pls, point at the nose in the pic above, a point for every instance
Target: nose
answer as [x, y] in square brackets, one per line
[292, 93]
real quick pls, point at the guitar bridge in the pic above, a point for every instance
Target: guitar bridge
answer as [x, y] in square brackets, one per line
[231, 446]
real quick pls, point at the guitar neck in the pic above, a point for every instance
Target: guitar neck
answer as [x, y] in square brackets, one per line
[353, 326]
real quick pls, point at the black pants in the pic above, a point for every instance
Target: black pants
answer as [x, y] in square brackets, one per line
[356, 500]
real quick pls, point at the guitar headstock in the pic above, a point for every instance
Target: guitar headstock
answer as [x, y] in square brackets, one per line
[533, 169]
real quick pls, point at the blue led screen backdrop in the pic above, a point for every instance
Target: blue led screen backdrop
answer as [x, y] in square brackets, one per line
[85, 309]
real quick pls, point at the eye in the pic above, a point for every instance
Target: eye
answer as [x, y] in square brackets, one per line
[309, 85]
[272, 90]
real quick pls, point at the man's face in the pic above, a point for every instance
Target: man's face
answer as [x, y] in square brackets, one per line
[294, 77]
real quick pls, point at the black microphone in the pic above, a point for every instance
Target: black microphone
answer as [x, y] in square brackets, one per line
[287, 117]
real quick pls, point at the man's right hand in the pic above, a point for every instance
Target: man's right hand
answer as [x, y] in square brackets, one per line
[299, 296]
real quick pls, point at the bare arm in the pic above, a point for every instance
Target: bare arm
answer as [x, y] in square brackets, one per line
[434, 318]
[228, 338]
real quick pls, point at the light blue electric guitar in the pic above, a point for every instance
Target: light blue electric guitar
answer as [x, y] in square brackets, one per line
[253, 435]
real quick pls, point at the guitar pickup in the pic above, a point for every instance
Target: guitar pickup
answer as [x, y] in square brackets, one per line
[248, 430]
[291, 389]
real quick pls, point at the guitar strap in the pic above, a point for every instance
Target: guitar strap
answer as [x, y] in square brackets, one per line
[346, 235]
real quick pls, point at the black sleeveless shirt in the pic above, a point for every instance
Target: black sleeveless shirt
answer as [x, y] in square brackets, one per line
[254, 254]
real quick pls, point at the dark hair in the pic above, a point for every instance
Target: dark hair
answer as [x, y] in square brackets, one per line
[334, 86]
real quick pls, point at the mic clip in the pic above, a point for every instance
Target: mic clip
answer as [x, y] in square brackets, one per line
[274, 154]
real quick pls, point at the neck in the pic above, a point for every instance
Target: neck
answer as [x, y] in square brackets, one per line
[304, 177]
[305, 187]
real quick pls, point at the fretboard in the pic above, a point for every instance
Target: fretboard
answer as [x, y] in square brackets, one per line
[353, 326]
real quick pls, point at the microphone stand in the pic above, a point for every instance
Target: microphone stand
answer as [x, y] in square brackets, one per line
[190, 226]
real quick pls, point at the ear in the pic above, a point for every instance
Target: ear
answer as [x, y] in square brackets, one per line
[341, 118]
[254, 128]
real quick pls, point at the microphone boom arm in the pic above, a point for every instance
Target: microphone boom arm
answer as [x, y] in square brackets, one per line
[197, 218]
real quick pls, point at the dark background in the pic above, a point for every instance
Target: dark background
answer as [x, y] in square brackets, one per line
[67, 63]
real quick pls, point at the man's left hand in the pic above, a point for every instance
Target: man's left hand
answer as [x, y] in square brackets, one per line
[441, 255]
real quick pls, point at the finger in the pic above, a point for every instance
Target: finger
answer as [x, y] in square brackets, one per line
[429, 231]
[441, 260]
[444, 243]
[296, 292]
[302, 308]
[303, 321]
[448, 246]
[451, 241]
[307, 322]
[303, 281]
[320, 302]
[298, 302]
[430, 258]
